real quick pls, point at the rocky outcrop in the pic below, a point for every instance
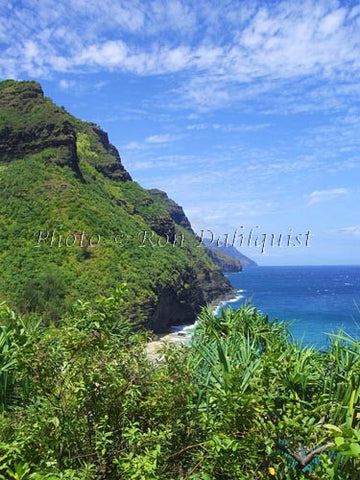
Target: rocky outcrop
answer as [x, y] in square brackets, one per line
[179, 304]
[30, 124]
[108, 161]
[176, 211]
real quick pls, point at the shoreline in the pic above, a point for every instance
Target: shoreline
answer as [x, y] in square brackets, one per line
[181, 333]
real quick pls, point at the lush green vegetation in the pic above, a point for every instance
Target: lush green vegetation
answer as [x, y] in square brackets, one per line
[81, 400]
[61, 177]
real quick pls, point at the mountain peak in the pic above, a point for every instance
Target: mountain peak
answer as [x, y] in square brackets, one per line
[31, 123]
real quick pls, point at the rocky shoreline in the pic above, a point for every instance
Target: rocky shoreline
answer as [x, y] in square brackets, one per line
[181, 335]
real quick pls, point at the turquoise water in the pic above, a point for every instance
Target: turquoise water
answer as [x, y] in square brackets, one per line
[319, 300]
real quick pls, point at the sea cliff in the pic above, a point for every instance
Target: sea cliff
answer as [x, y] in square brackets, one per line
[75, 225]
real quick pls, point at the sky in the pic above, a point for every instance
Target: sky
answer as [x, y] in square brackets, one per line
[245, 112]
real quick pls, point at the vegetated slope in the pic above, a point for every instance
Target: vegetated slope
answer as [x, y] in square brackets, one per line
[73, 224]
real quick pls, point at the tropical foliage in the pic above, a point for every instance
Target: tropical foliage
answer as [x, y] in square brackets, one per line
[81, 400]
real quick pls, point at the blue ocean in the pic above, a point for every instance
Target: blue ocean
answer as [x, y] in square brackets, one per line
[319, 300]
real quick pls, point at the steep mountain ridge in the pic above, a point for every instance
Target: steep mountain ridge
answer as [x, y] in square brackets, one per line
[73, 224]
[229, 251]
[176, 212]
[225, 262]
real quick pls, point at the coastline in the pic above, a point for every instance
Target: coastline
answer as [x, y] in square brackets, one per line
[183, 333]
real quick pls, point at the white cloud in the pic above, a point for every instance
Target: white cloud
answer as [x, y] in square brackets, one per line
[149, 143]
[241, 127]
[65, 84]
[133, 146]
[324, 195]
[163, 138]
[228, 127]
[351, 231]
[332, 21]
[108, 54]
[225, 49]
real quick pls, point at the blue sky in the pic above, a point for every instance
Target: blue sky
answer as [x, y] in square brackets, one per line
[245, 112]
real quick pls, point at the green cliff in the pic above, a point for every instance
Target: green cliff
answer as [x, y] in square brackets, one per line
[73, 224]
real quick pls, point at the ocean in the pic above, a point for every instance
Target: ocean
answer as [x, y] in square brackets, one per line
[319, 300]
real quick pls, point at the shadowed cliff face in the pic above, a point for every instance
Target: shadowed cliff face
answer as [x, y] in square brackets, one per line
[61, 176]
[108, 161]
[29, 124]
[175, 211]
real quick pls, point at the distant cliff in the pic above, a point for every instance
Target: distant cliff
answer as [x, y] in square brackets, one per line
[75, 225]
[226, 263]
[230, 251]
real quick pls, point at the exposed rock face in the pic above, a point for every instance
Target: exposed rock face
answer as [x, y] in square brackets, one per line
[179, 306]
[176, 212]
[163, 226]
[64, 173]
[43, 125]
[37, 125]
[109, 162]
[207, 285]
